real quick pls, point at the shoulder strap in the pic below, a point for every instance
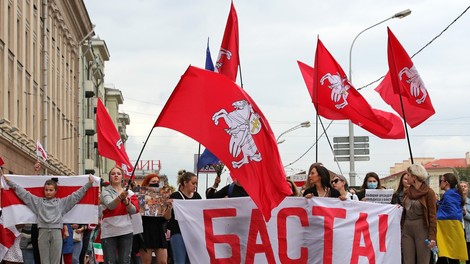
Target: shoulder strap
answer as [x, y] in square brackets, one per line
[182, 196]
[230, 189]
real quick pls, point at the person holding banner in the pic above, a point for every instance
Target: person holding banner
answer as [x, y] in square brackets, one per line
[319, 178]
[419, 222]
[116, 226]
[49, 211]
[371, 181]
[154, 227]
[187, 184]
[450, 234]
[340, 183]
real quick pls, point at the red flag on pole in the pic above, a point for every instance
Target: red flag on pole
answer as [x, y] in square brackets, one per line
[233, 128]
[228, 59]
[110, 144]
[403, 79]
[336, 99]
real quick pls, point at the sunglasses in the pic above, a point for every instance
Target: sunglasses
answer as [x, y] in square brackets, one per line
[335, 181]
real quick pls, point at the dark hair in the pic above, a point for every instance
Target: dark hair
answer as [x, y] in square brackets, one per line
[368, 175]
[401, 187]
[295, 191]
[185, 177]
[323, 172]
[53, 182]
[146, 180]
[453, 183]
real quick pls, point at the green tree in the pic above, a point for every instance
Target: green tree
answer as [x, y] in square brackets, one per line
[463, 173]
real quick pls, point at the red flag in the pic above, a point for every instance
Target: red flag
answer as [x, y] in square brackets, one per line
[335, 98]
[233, 128]
[1, 162]
[403, 79]
[228, 59]
[110, 144]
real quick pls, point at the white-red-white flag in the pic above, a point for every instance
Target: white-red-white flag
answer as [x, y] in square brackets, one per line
[7, 238]
[15, 212]
[40, 151]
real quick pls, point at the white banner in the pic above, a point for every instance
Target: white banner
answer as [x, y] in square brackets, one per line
[318, 230]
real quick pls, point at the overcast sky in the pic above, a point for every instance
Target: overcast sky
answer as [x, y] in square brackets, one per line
[151, 43]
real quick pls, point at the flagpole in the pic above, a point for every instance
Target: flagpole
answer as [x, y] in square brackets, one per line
[406, 129]
[316, 102]
[197, 169]
[138, 158]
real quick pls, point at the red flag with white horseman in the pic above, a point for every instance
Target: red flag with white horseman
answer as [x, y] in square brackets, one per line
[228, 59]
[110, 144]
[233, 128]
[336, 99]
[403, 79]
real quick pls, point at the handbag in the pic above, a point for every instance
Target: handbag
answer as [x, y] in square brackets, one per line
[77, 237]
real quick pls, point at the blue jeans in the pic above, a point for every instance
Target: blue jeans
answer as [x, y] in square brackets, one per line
[119, 247]
[77, 249]
[28, 256]
[179, 250]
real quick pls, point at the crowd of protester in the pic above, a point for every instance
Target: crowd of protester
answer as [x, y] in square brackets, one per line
[444, 223]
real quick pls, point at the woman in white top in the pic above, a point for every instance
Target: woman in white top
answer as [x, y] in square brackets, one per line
[340, 183]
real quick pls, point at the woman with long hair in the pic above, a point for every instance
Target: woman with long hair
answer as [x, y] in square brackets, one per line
[397, 197]
[187, 184]
[319, 179]
[450, 235]
[371, 181]
[419, 222]
[116, 226]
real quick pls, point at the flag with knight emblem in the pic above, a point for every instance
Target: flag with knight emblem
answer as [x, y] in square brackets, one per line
[110, 144]
[233, 128]
[335, 98]
[228, 59]
[404, 80]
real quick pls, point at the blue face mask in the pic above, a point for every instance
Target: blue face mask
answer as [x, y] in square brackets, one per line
[372, 185]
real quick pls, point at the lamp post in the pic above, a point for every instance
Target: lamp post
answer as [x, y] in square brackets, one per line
[352, 169]
[303, 124]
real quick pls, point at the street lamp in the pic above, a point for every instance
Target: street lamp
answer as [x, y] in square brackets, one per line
[352, 172]
[303, 124]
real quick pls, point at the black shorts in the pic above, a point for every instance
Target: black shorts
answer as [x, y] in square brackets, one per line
[154, 232]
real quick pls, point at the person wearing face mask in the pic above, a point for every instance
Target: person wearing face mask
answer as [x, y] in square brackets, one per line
[154, 227]
[371, 181]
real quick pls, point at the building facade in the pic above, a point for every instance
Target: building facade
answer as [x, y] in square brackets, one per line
[51, 74]
[39, 68]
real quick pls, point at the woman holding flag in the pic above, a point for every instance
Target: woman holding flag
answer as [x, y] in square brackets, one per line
[450, 234]
[50, 211]
[116, 226]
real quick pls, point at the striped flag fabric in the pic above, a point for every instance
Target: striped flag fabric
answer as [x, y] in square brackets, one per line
[16, 212]
[40, 151]
[98, 251]
[7, 238]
